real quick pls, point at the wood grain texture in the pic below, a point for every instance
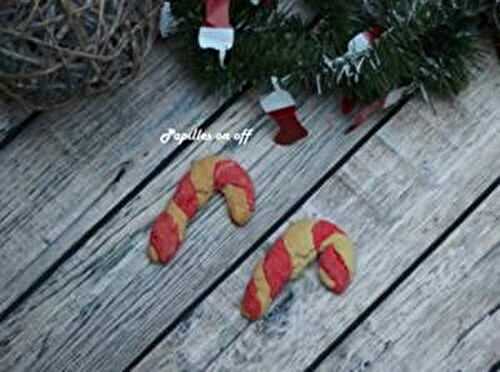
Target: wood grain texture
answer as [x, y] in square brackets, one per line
[11, 117]
[445, 317]
[72, 166]
[103, 306]
[394, 198]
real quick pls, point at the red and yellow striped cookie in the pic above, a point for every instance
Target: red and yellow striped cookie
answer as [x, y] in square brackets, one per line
[301, 244]
[206, 177]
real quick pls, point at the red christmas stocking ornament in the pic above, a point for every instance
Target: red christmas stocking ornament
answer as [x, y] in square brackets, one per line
[281, 106]
[359, 44]
[217, 32]
[217, 13]
[364, 40]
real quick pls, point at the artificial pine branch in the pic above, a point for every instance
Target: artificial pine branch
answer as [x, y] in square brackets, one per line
[410, 52]
[267, 42]
[427, 45]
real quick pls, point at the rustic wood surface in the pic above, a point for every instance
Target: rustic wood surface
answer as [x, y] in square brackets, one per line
[80, 188]
[109, 284]
[66, 170]
[395, 197]
[70, 168]
[445, 317]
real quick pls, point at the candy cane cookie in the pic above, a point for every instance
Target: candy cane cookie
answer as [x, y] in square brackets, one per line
[206, 177]
[302, 243]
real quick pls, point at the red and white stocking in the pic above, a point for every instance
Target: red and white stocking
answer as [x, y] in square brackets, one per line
[364, 40]
[359, 44]
[217, 32]
[281, 106]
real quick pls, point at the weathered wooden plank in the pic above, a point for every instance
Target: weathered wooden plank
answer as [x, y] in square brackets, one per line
[11, 117]
[103, 306]
[394, 197]
[71, 167]
[445, 317]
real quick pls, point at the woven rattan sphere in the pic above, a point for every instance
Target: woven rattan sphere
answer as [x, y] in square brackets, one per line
[54, 51]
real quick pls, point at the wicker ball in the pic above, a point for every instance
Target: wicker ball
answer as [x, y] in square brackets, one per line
[54, 51]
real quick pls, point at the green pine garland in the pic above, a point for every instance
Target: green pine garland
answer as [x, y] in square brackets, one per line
[267, 42]
[426, 45]
[429, 45]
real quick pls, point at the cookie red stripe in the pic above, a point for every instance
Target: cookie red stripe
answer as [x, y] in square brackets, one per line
[323, 230]
[228, 172]
[334, 267]
[277, 267]
[269, 278]
[164, 237]
[251, 306]
[185, 196]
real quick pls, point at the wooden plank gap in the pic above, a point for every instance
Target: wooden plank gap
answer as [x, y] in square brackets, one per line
[151, 176]
[405, 275]
[116, 209]
[267, 234]
[495, 367]
[121, 177]
[12, 133]
[98, 224]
